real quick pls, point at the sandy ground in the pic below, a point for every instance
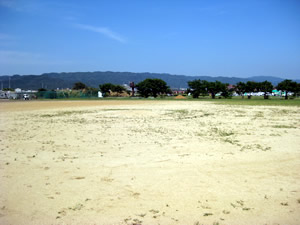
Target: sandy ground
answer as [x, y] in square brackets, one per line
[148, 162]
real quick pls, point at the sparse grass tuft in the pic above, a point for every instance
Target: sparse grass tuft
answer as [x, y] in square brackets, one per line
[259, 114]
[226, 212]
[181, 111]
[231, 141]
[255, 147]
[64, 113]
[222, 133]
[284, 126]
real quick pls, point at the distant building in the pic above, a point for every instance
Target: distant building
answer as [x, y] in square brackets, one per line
[178, 91]
[230, 86]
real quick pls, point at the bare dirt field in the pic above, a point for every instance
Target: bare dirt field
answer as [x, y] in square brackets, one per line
[148, 162]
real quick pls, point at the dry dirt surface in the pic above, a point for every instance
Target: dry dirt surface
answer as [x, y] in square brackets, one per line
[148, 162]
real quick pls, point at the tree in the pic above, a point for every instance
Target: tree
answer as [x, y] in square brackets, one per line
[79, 86]
[118, 88]
[227, 92]
[109, 87]
[297, 89]
[105, 88]
[215, 87]
[265, 87]
[8, 89]
[198, 87]
[240, 88]
[203, 87]
[42, 89]
[152, 87]
[287, 86]
[251, 86]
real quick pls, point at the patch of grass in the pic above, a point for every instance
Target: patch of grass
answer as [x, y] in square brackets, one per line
[181, 111]
[200, 134]
[47, 115]
[81, 121]
[181, 114]
[222, 133]
[233, 205]
[246, 209]
[64, 113]
[259, 114]
[226, 212]
[231, 141]
[255, 147]
[284, 126]
[275, 135]
[116, 109]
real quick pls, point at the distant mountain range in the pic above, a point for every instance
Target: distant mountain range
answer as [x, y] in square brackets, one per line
[93, 79]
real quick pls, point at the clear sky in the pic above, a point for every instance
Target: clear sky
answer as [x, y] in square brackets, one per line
[215, 38]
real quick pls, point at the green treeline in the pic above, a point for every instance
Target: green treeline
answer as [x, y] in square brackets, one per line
[158, 87]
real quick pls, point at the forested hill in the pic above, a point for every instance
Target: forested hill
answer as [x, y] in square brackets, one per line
[93, 79]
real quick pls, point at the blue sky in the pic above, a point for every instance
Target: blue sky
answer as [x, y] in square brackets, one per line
[214, 38]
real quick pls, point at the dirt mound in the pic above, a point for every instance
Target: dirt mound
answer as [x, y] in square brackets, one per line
[180, 97]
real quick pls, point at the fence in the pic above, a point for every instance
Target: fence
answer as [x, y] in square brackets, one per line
[66, 94]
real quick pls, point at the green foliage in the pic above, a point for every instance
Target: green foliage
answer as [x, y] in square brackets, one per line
[105, 88]
[79, 86]
[227, 93]
[240, 88]
[152, 87]
[215, 87]
[42, 89]
[198, 87]
[118, 88]
[251, 86]
[8, 89]
[287, 86]
[265, 87]
[203, 87]
[92, 89]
